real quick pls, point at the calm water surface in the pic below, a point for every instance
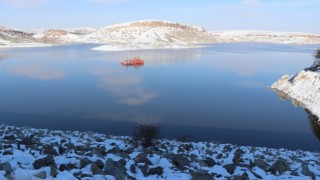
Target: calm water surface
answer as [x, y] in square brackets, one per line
[219, 93]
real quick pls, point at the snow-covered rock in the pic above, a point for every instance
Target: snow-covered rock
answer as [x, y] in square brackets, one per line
[303, 89]
[148, 34]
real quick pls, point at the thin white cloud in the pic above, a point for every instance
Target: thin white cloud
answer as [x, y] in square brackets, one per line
[250, 2]
[109, 1]
[26, 3]
[126, 88]
[37, 72]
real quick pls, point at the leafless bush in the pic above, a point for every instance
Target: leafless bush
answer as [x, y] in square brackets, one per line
[316, 64]
[145, 134]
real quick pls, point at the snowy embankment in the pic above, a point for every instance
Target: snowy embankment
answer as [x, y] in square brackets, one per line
[28, 153]
[303, 89]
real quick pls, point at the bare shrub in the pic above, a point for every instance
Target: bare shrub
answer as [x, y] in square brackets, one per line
[145, 134]
[316, 64]
[185, 138]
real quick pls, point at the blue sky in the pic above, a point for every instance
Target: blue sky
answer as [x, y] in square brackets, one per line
[274, 15]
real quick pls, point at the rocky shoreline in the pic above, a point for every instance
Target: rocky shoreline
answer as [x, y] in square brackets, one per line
[28, 153]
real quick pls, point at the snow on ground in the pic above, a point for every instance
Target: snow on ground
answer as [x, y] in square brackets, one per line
[127, 47]
[303, 89]
[28, 153]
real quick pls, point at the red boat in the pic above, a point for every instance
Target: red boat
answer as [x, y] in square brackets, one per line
[133, 62]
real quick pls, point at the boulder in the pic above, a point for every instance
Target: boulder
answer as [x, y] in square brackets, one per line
[156, 171]
[43, 162]
[41, 175]
[262, 164]
[306, 171]
[116, 168]
[95, 169]
[142, 158]
[230, 168]
[49, 150]
[144, 169]
[53, 170]
[99, 163]
[210, 162]
[201, 175]
[6, 167]
[180, 161]
[84, 162]
[280, 166]
[237, 156]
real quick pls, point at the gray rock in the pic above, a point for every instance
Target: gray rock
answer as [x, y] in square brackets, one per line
[237, 177]
[10, 137]
[82, 148]
[95, 169]
[219, 156]
[43, 162]
[201, 175]
[144, 169]
[280, 166]
[101, 150]
[41, 175]
[72, 166]
[84, 162]
[99, 163]
[63, 141]
[95, 152]
[210, 162]
[62, 150]
[6, 167]
[64, 167]
[116, 168]
[156, 171]
[306, 171]
[180, 161]
[237, 156]
[85, 176]
[202, 163]
[262, 164]
[7, 152]
[294, 173]
[230, 168]
[53, 171]
[133, 169]
[49, 150]
[142, 158]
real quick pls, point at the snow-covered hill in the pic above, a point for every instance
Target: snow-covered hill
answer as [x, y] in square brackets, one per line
[266, 37]
[149, 34]
[303, 89]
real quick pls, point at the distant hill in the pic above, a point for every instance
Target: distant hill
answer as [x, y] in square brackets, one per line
[148, 34]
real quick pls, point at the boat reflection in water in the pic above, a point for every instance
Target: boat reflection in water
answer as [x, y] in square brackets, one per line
[135, 62]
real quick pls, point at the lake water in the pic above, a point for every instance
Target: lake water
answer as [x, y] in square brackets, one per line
[219, 93]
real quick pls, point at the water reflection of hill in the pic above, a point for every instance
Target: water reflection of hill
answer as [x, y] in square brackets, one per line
[315, 124]
[314, 120]
[157, 57]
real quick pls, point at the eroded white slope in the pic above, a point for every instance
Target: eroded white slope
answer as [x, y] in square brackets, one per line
[304, 88]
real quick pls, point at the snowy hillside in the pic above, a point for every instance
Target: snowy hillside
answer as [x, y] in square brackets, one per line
[266, 37]
[150, 34]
